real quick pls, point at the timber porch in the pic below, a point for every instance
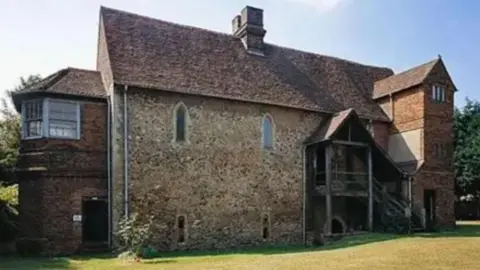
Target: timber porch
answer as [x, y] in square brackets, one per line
[352, 184]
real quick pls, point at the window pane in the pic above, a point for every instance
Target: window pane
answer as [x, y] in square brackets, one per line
[62, 129]
[180, 124]
[33, 128]
[434, 92]
[267, 133]
[62, 119]
[63, 111]
[33, 110]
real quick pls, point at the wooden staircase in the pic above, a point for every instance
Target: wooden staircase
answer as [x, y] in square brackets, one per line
[394, 213]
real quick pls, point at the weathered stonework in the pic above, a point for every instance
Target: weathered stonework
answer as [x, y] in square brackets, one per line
[221, 179]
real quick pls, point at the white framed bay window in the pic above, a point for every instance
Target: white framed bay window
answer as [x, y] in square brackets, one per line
[50, 118]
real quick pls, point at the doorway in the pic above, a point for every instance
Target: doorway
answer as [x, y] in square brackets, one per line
[95, 220]
[429, 204]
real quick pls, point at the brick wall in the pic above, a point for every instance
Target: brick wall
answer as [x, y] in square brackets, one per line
[437, 172]
[414, 110]
[64, 171]
[380, 133]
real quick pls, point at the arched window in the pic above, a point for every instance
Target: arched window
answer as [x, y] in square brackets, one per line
[268, 132]
[180, 122]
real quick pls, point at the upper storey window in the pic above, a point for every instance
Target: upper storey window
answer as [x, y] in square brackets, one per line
[438, 94]
[50, 118]
[32, 119]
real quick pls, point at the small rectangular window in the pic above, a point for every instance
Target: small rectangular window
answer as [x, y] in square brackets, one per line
[438, 94]
[62, 119]
[33, 118]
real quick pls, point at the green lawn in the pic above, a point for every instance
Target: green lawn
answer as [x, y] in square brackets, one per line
[459, 249]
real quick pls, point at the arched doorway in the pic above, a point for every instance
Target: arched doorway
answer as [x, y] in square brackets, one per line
[338, 226]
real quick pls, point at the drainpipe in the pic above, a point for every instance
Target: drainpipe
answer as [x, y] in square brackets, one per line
[109, 167]
[304, 193]
[125, 148]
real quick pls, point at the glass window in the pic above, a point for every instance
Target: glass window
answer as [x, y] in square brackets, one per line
[33, 118]
[267, 135]
[180, 123]
[62, 119]
[438, 94]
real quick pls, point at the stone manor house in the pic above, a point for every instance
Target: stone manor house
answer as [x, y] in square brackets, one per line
[230, 141]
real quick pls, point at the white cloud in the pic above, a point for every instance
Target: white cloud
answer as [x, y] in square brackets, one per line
[320, 5]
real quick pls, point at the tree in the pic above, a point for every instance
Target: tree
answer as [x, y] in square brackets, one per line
[466, 128]
[10, 130]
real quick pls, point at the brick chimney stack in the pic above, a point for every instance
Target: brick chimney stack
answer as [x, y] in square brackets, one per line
[249, 27]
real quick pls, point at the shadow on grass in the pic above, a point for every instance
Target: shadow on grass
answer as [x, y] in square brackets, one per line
[348, 241]
[34, 263]
[462, 230]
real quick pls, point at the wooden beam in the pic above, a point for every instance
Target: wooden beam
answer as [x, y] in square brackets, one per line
[328, 189]
[370, 189]
[361, 144]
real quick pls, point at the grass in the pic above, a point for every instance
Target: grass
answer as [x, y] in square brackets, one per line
[456, 249]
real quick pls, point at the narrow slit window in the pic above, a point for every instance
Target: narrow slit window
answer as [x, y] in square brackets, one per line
[265, 226]
[181, 229]
[436, 149]
[181, 123]
[267, 132]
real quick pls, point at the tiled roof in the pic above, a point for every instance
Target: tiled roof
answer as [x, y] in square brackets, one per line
[73, 81]
[403, 80]
[326, 129]
[156, 54]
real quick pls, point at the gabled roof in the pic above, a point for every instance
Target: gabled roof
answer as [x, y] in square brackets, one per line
[70, 81]
[403, 80]
[156, 54]
[327, 129]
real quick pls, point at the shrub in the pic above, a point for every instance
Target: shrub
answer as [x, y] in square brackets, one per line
[133, 233]
[8, 212]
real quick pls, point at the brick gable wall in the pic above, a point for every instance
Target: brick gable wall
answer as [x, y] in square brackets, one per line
[414, 110]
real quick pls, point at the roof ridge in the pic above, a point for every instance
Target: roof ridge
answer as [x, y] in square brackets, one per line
[232, 36]
[82, 69]
[165, 21]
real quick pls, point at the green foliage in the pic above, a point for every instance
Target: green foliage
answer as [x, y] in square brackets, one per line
[9, 194]
[9, 145]
[467, 149]
[133, 233]
[10, 131]
[8, 212]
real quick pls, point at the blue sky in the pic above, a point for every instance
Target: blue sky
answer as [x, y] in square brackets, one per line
[44, 36]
